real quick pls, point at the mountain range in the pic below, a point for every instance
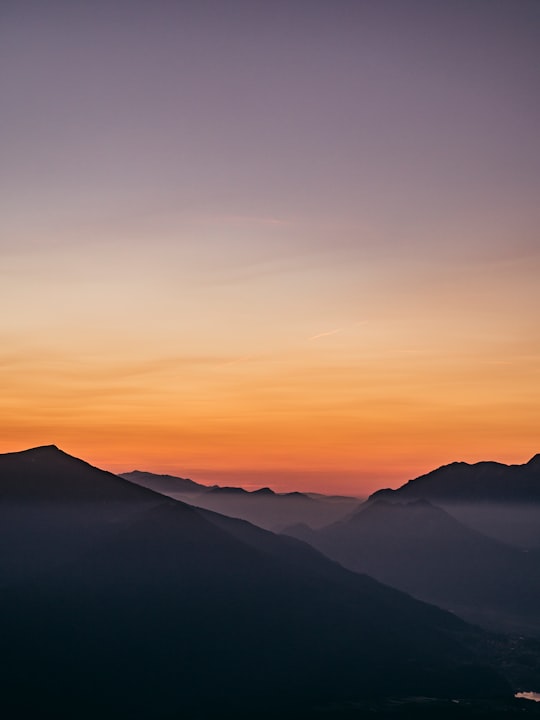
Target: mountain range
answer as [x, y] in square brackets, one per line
[466, 537]
[118, 602]
[475, 483]
[263, 507]
[421, 549]
[502, 501]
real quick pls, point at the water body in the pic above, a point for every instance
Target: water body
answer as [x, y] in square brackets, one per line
[529, 696]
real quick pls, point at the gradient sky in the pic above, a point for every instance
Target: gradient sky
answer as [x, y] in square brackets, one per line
[292, 244]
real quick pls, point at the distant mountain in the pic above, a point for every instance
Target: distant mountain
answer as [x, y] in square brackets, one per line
[480, 482]
[158, 609]
[270, 510]
[502, 501]
[421, 549]
[165, 484]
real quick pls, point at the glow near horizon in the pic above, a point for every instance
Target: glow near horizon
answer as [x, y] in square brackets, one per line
[318, 266]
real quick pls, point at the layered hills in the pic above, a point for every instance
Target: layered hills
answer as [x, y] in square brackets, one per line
[423, 550]
[264, 507]
[119, 602]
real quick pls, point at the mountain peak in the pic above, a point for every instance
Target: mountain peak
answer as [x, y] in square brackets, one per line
[534, 461]
[42, 449]
[263, 491]
[478, 482]
[46, 473]
[45, 453]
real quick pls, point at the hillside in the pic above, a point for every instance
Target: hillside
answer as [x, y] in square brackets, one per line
[421, 549]
[167, 611]
[502, 501]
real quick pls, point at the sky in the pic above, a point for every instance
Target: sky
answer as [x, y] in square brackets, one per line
[292, 244]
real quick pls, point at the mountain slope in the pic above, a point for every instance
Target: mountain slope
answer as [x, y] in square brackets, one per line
[50, 475]
[502, 501]
[173, 611]
[53, 506]
[165, 484]
[421, 549]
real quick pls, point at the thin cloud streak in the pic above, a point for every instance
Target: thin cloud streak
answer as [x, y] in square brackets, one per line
[326, 334]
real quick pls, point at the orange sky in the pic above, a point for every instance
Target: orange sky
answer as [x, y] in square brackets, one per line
[266, 249]
[328, 393]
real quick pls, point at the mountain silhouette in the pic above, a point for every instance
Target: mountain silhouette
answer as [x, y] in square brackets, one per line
[159, 609]
[46, 473]
[421, 549]
[164, 483]
[480, 482]
[264, 507]
[502, 501]
[54, 506]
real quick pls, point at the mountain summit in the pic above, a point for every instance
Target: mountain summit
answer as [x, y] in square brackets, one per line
[473, 483]
[48, 474]
[501, 501]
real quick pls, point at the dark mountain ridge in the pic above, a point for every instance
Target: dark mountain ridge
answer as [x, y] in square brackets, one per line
[54, 506]
[474, 483]
[501, 501]
[47, 474]
[163, 483]
[165, 610]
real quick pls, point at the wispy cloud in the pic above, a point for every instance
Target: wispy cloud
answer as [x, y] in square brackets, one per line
[325, 334]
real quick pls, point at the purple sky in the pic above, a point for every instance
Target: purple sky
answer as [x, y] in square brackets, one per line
[380, 112]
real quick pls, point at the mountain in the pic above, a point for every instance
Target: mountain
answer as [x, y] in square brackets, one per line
[502, 501]
[48, 474]
[263, 507]
[165, 484]
[53, 506]
[421, 549]
[154, 608]
[480, 482]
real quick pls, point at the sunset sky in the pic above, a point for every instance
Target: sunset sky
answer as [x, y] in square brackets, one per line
[292, 244]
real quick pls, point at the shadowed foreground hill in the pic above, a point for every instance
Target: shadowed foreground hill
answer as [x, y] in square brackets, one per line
[421, 549]
[163, 610]
[264, 507]
[53, 506]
